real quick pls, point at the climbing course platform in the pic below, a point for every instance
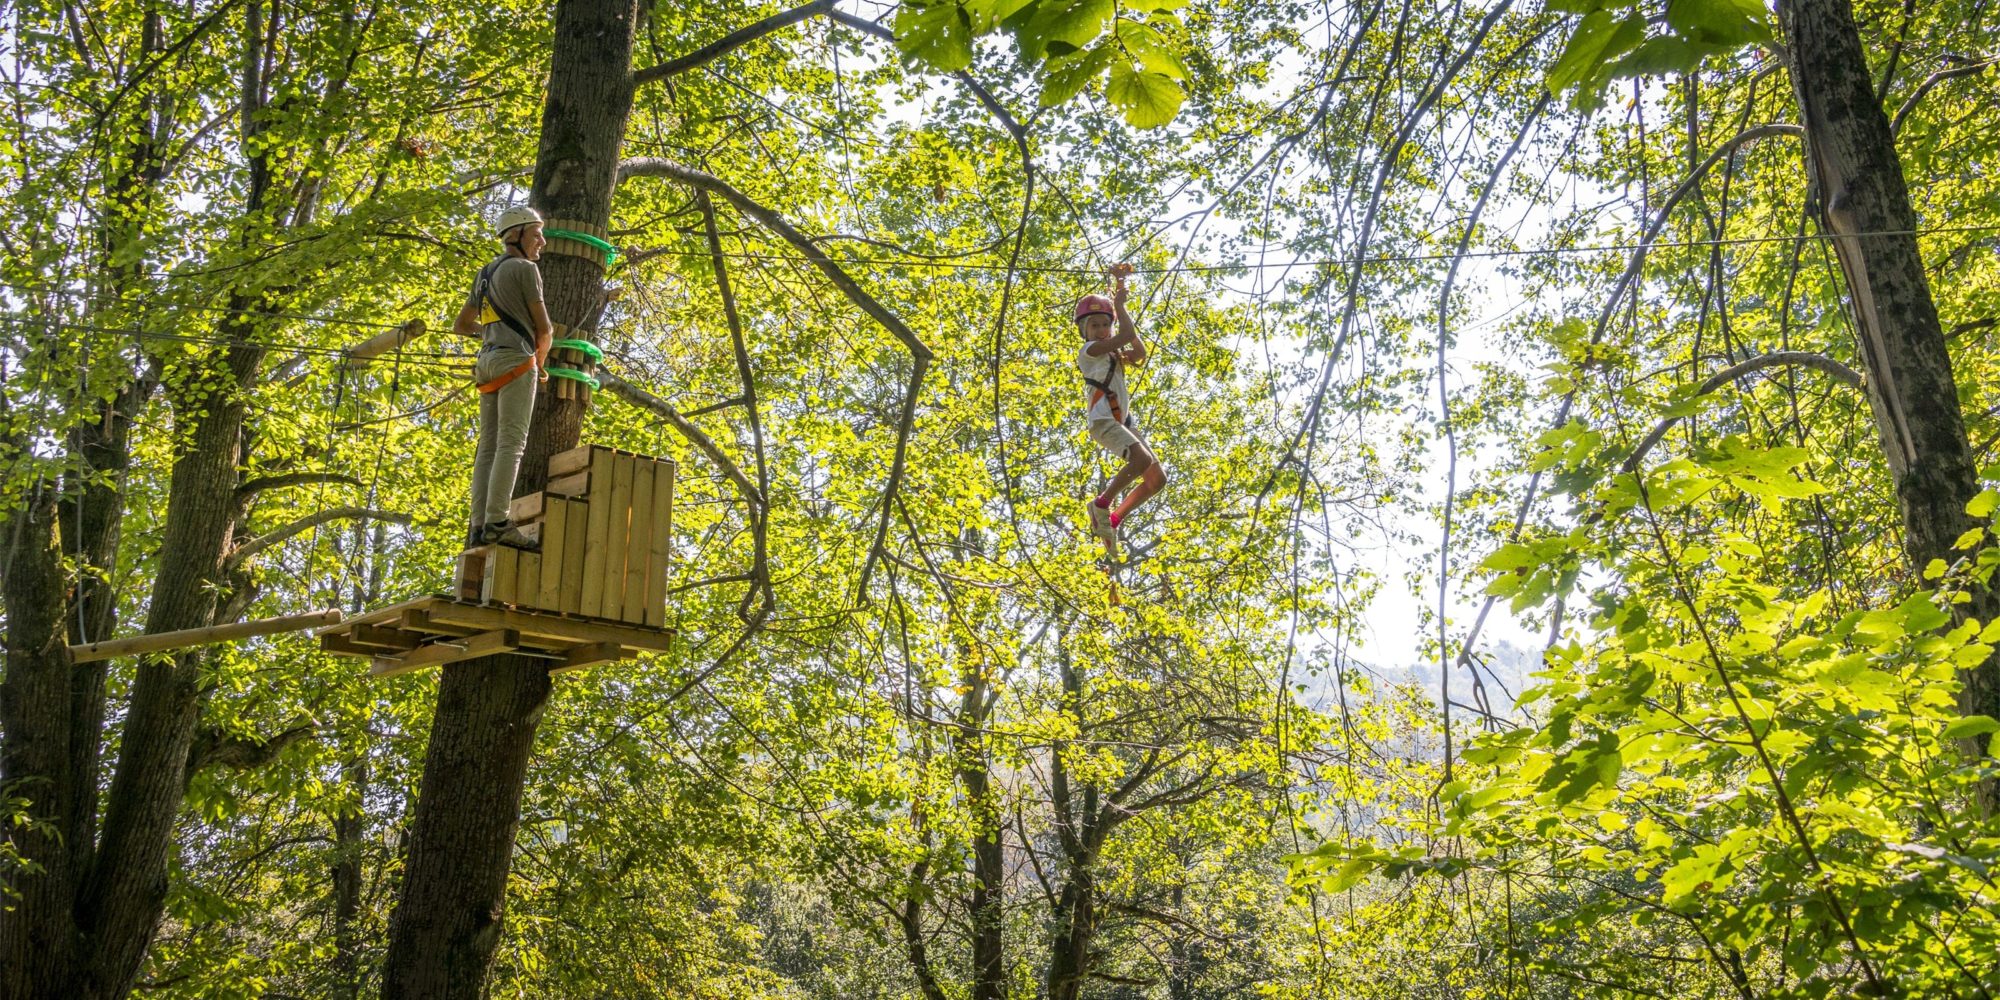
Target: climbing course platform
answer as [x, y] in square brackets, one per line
[433, 631]
[596, 591]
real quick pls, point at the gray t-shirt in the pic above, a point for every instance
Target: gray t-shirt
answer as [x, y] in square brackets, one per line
[516, 285]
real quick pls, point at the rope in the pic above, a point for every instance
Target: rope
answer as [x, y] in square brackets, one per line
[610, 252]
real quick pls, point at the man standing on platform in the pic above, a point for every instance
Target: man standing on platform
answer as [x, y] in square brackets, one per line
[506, 313]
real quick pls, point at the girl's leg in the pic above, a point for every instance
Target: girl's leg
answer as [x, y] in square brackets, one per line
[1137, 461]
[1152, 481]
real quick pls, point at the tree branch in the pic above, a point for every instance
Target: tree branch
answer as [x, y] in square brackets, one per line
[703, 443]
[920, 355]
[1930, 83]
[729, 42]
[256, 486]
[1840, 373]
[264, 541]
[212, 748]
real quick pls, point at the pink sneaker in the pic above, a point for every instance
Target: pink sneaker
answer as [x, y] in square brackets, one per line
[1100, 521]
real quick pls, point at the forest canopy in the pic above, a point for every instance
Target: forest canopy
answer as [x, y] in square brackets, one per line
[1571, 571]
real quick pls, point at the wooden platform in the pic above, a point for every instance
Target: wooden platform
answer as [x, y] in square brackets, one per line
[605, 527]
[433, 631]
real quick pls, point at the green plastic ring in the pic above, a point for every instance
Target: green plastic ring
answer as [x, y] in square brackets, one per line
[610, 252]
[571, 373]
[596, 354]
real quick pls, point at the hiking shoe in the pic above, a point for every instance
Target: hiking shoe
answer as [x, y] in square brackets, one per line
[1100, 522]
[508, 534]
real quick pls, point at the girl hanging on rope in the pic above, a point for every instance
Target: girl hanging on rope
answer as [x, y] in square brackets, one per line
[1103, 360]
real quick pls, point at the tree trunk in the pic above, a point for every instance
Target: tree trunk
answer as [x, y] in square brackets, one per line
[1864, 203]
[989, 970]
[51, 713]
[37, 936]
[1078, 833]
[448, 918]
[127, 883]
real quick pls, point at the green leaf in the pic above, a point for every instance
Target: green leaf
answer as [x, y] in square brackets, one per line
[1349, 875]
[1719, 23]
[1971, 725]
[1152, 49]
[940, 35]
[1596, 41]
[1983, 504]
[1148, 99]
[1063, 77]
[1059, 27]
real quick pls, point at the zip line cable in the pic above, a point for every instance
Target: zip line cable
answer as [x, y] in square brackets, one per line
[944, 261]
[1338, 261]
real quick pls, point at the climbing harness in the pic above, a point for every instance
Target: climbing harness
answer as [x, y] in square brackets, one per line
[1103, 391]
[489, 388]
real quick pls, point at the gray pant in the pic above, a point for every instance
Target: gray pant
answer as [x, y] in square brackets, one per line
[503, 433]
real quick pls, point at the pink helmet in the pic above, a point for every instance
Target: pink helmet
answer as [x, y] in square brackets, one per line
[1092, 305]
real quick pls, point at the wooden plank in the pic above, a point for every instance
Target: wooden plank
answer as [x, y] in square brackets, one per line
[601, 463]
[617, 531]
[662, 544]
[503, 570]
[575, 549]
[638, 543]
[472, 572]
[555, 524]
[590, 655]
[527, 509]
[574, 485]
[573, 631]
[448, 651]
[528, 581]
[343, 646]
[386, 638]
[181, 638]
[574, 460]
[390, 616]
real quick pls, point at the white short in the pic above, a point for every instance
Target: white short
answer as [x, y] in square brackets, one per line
[1115, 437]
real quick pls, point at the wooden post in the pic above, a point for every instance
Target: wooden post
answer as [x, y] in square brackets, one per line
[638, 543]
[555, 525]
[617, 527]
[528, 579]
[575, 544]
[601, 462]
[158, 641]
[661, 546]
[360, 355]
[503, 568]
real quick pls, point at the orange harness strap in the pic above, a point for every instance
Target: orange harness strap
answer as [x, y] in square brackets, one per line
[488, 388]
[1117, 412]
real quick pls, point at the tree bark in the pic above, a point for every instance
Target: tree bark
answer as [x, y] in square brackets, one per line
[51, 713]
[448, 917]
[1863, 201]
[122, 896]
[989, 969]
[1078, 834]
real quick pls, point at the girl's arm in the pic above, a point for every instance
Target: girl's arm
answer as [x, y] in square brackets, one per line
[1131, 349]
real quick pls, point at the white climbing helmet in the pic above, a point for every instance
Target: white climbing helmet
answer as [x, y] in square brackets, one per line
[516, 217]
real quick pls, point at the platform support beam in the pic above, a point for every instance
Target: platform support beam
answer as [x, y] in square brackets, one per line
[180, 639]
